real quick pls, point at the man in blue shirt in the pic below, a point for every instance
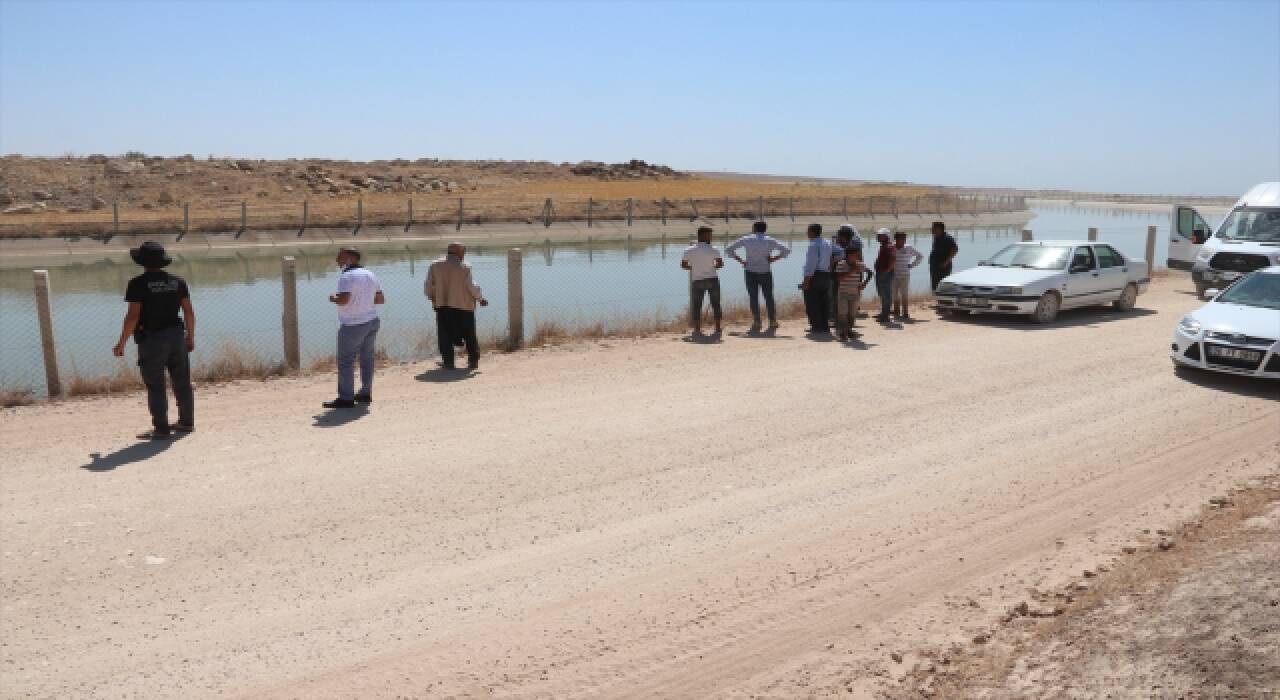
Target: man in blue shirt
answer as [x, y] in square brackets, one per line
[817, 281]
[762, 251]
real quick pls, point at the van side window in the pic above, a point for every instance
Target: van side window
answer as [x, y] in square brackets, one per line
[1083, 257]
[1185, 221]
[1108, 257]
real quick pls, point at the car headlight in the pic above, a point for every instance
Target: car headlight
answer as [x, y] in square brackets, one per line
[1189, 325]
[1015, 291]
[946, 288]
[1204, 254]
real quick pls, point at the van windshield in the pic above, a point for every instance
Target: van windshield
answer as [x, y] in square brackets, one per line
[1252, 224]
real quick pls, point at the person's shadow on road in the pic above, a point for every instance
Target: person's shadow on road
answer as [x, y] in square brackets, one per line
[136, 452]
[336, 417]
[441, 375]
[700, 339]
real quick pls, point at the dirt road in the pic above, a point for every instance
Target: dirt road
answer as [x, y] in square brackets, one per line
[631, 518]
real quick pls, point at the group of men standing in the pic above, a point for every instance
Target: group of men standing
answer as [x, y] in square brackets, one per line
[161, 320]
[834, 275]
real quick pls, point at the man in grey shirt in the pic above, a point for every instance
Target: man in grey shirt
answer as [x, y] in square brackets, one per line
[762, 251]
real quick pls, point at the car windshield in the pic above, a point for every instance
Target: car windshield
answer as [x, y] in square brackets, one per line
[1258, 289]
[1252, 224]
[1036, 257]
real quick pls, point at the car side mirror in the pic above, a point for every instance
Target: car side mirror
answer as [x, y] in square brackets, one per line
[1211, 293]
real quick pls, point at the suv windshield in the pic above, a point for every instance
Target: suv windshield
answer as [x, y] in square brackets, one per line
[1252, 224]
[1036, 257]
[1258, 289]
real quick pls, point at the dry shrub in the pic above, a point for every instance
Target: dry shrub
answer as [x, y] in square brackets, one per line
[21, 397]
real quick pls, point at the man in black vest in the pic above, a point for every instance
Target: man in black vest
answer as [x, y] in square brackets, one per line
[155, 297]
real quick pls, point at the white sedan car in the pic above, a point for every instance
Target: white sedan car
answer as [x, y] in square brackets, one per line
[1039, 278]
[1237, 332]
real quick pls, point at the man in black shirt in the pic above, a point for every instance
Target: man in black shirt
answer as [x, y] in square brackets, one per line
[943, 252]
[155, 298]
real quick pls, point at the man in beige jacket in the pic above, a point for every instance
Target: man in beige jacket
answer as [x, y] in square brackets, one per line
[454, 296]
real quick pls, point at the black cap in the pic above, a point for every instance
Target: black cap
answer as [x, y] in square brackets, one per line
[351, 250]
[150, 254]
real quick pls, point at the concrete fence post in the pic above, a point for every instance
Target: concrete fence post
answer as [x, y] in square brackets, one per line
[1026, 234]
[289, 317]
[515, 298]
[460, 213]
[1151, 249]
[1093, 233]
[45, 312]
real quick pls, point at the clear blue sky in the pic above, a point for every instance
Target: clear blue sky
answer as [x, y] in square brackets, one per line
[1135, 96]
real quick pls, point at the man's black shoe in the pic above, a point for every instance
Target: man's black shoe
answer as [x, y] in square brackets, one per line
[474, 364]
[363, 398]
[339, 403]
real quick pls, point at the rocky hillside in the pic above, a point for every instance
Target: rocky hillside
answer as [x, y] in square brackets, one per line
[136, 180]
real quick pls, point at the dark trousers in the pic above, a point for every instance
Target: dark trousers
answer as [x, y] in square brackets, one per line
[884, 287]
[817, 302]
[761, 282]
[162, 351]
[936, 273]
[455, 323]
[699, 288]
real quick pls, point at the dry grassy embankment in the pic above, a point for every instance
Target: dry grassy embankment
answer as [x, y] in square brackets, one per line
[49, 196]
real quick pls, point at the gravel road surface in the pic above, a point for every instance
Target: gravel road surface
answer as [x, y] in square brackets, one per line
[634, 518]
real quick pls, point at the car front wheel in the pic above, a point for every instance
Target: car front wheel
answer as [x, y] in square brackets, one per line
[1128, 298]
[1047, 308]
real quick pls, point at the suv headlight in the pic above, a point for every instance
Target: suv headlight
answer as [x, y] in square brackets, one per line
[947, 288]
[1014, 291]
[1189, 325]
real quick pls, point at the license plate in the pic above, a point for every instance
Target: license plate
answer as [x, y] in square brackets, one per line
[1235, 353]
[972, 301]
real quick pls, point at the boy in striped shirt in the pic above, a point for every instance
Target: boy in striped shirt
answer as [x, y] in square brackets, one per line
[852, 277]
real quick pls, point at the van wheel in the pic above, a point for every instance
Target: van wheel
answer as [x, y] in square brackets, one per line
[1047, 309]
[1128, 298]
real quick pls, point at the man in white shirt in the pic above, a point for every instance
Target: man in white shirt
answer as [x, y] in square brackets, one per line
[358, 295]
[906, 259]
[702, 260]
[762, 251]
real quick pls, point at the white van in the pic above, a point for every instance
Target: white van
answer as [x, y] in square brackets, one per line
[1248, 239]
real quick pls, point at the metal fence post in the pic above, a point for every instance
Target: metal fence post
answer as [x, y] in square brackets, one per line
[186, 218]
[289, 318]
[1026, 234]
[663, 205]
[244, 216]
[306, 214]
[1151, 249]
[45, 312]
[515, 298]
[409, 222]
[726, 210]
[359, 214]
[895, 207]
[546, 213]
[115, 217]
[759, 208]
[631, 203]
[459, 226]
[1093, 234]
[590, 205]
[844, 208]
[791, 207]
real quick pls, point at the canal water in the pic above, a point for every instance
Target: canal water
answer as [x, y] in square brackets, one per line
[237, 293]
